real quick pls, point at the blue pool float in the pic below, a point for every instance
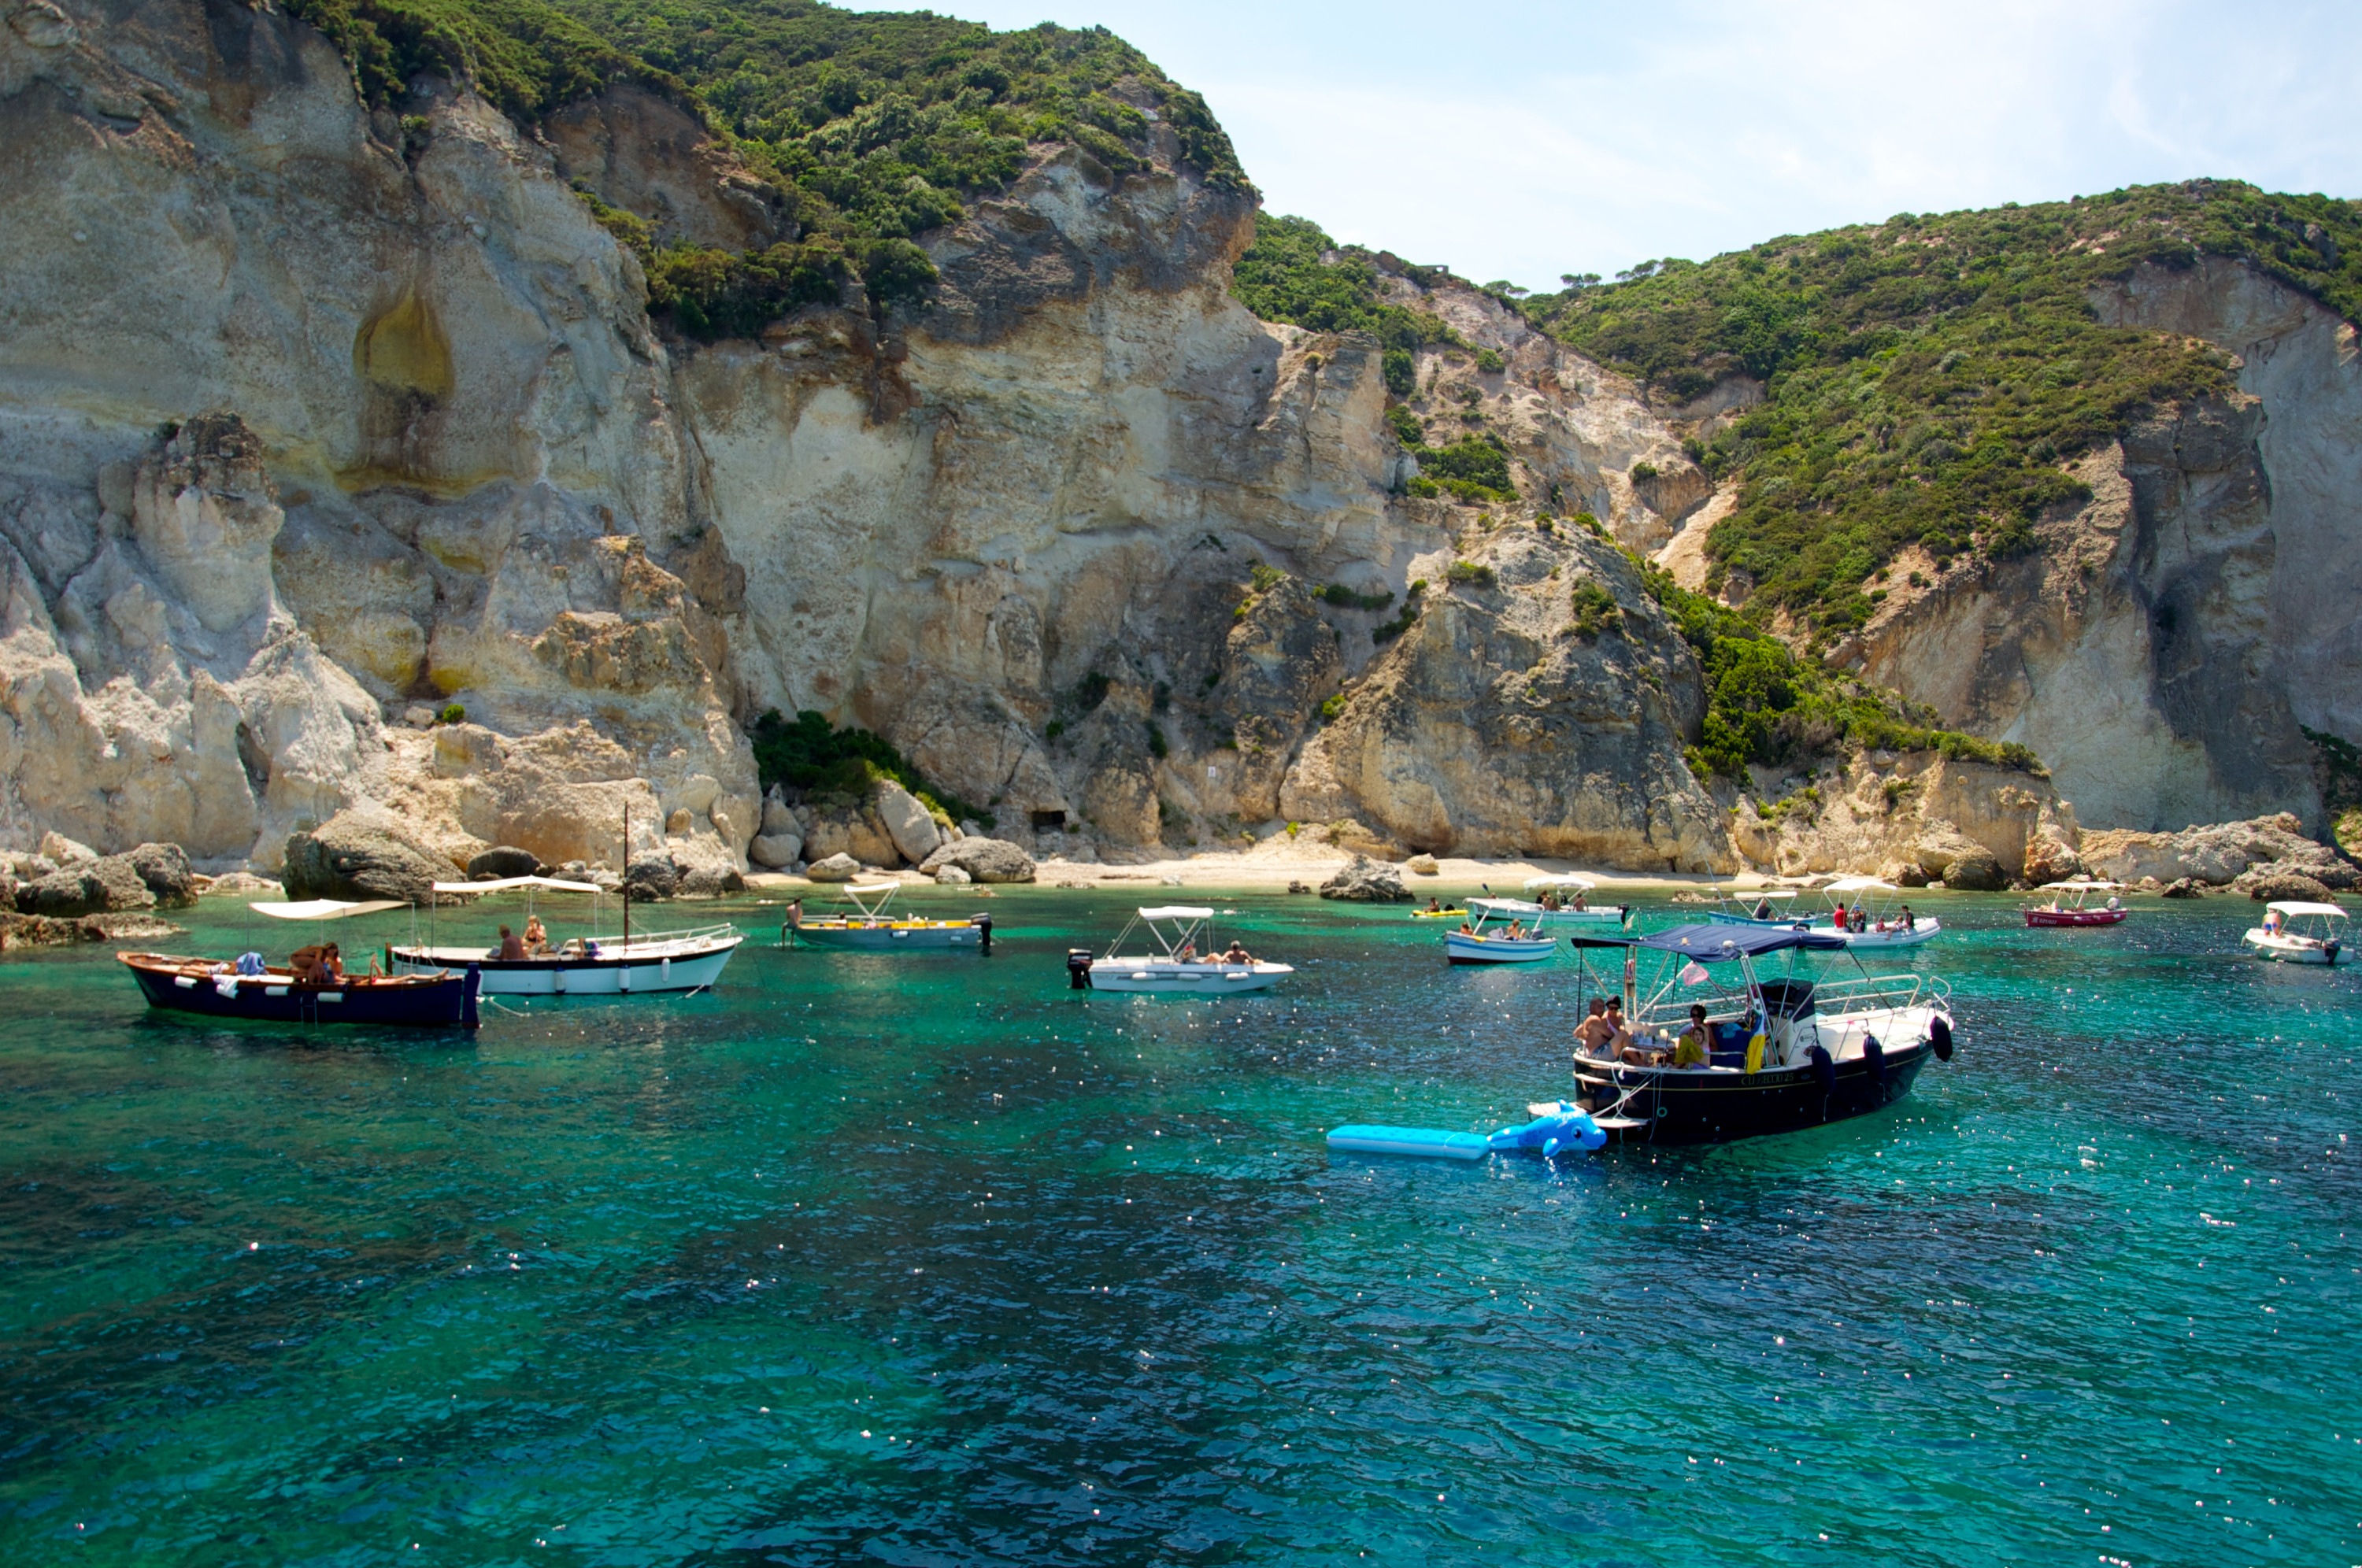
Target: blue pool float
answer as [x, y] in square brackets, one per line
[1567, 1128]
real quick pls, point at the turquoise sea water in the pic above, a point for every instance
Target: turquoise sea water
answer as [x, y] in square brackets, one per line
[929, 1260]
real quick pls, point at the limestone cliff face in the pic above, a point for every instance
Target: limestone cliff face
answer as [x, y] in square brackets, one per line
[2163, 648]
[1028, 532]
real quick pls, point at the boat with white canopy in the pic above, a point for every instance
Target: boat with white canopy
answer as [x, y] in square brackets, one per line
[1173, 963]
[579, 966]
[1501, 931]
[1567, 896]
[2069, 904]
[870, 929]
[312, 987]
[1779, 1053]
[1766, 906]
[1886, 922]
[2295, 933]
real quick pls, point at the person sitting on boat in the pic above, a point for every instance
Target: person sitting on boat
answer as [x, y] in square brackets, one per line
[1467, 930]
[1595, 1033]
[2114, 903]
[512, 946]
[537, 938]
[1694, 1048]
[332, 959]
[1582, 900]
[1434, 906]
[1762, 909]
[1860, 921]
[1904, 919]
[1236, 952]
[2271, 923]
[1621, 1041]
[305, 966]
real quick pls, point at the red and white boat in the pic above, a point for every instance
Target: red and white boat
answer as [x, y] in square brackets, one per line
[2071, 904]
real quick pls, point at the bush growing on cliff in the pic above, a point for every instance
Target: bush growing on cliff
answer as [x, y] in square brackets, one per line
[1284, 277]
[1764, 705]
[1472, 468]
[813, 754]
[1927, 379]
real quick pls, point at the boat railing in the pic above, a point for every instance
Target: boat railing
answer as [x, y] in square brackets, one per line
[721, 932]
[1669, 1014]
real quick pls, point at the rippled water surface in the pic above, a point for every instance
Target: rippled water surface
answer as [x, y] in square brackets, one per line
[928, 1259]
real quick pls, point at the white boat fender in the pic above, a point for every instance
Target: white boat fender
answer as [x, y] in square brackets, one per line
[1939, 1035]
[1428, 1142]
[1824, 1070]
[1875, 1055]
[1548, 1134]
[1078, 969]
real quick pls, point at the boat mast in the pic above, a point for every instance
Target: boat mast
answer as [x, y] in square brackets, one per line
[627, 875]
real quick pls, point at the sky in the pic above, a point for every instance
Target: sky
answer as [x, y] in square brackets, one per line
[1519, 140]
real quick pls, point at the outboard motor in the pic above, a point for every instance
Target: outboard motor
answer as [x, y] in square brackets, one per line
[1874, 1053]
[1825, 1071]
[983, 924]
[1078, 969]
[1939, 1035]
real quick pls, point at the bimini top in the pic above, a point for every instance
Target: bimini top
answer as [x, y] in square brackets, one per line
[1177, 911]
[1860, 885]
[326, 909]
[1561, 879]
[2084, 884]
[871, 889]
[1505, 906]
[2308, 910]
[1719, 944]
[502, 884]
[1735, 896]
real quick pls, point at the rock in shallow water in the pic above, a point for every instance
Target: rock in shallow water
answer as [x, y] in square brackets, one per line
[985, 859]
[837, 868]
[105, 886]
[1366, 882]
[344, 858]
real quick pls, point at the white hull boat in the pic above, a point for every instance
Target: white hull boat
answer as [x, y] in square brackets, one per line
[670, 961]
[1164, 977]
[2296, 932]
[1176, 969]
[1477, 948]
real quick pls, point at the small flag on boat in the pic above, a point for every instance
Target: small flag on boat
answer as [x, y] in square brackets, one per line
[1692, 973]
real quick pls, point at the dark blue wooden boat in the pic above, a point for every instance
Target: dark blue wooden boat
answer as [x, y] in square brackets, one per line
[207, 986]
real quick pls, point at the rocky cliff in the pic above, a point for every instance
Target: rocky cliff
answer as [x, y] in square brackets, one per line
[318, 423]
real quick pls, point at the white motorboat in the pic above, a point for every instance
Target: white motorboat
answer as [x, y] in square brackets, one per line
[1572, 904]
[2298, 934]
[1887, 923]
[1497, 933]
[1173, 966]
[870, 929]
[581, 966]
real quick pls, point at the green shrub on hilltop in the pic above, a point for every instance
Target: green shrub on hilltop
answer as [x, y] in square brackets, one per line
[1283, 277]
[877, 127]
[1926, 378]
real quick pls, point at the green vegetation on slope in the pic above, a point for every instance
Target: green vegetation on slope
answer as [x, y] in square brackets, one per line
[1928, 377]
[1764, 705]
[878, 125]
[813, 754]
[1283, 277]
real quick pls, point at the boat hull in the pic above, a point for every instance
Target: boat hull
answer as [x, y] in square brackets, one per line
[630, 974]
[1672, 1107]
[1161, 977]
[1461, 948]
[1925, 931]
[936, 937]
[2289, 950]
[2075, 917]
[447, 1001]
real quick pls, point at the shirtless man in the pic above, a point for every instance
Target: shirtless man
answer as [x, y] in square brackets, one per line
[1595, 1032]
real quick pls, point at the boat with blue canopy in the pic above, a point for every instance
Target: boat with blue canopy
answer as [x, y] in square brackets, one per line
[1720, 1044]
